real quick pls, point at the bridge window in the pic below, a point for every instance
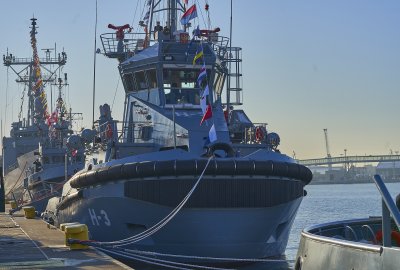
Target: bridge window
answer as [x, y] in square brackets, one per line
[152, 77]
[141, 80]
[128, 81]
[180, 86]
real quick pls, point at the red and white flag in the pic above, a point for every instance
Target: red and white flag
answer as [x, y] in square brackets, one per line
[207, 114]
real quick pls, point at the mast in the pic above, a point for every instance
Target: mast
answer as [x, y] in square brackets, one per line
[94, 68]
[31, 75]
[228, 81]
[172, 10]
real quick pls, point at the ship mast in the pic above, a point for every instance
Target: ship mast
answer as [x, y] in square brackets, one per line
[31, 75]
[172, 15]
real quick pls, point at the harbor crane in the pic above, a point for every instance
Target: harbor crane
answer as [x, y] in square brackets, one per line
[328, 153]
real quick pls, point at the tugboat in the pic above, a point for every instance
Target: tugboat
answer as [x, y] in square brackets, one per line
[186, 174]
[36, 156]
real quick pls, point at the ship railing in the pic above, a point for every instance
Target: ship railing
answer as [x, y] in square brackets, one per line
[123, 127]
[389, 209]
[220, 45]
[45, 78]
[251, 136]
[247, 134]
[12, 60]
[131, 44]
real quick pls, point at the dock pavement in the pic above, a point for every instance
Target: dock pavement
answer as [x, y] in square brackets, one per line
[30, 244]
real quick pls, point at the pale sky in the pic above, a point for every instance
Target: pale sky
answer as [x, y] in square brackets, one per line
[307, 65]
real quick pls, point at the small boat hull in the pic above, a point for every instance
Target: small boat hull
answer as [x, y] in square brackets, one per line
[320, 250]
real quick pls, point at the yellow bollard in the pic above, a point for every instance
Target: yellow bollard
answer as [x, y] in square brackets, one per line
[13, 205]
[29, 212]
[63, 225]
[76, 231]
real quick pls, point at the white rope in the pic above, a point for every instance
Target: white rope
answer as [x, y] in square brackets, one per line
[219, 259]
[160, 262]
[161, 223]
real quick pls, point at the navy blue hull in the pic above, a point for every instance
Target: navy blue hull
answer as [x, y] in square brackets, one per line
[235, 232]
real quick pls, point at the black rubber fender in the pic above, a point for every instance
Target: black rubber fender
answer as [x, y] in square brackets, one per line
[280, 169]
[192, 167]
[185, 167]
[263, 167]
[114, 172]
[145, 169]
[128, 170]
[245, 167]
[165, 167]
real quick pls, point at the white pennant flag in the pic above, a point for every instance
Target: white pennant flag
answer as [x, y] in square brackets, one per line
[212, 134]
[203, 100]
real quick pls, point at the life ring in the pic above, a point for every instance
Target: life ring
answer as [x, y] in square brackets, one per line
[394, 234]
[260, 134]
[109, 131]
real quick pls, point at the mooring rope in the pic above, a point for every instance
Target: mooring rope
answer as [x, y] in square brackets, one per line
[160, 262]
[161, 223]
[219, 259]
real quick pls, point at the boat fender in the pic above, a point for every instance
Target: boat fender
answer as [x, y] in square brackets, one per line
[305, 174]
[280, 169]
[245, 167]
[191, 167]
[227, 148]
[264, 167]
[394, 234]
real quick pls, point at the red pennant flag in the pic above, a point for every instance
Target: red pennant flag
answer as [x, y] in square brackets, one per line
[207, 114]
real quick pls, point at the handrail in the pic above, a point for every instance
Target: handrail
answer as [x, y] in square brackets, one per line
[349, 159]
[388, 208]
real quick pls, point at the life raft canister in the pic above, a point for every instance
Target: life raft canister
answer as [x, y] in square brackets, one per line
[260, 134]
[109, 131]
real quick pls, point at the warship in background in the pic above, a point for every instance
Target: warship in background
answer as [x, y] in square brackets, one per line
[36, 153]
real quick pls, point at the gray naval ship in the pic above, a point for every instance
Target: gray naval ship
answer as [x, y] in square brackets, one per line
[34, 154]
[57, 158]
[237, 195]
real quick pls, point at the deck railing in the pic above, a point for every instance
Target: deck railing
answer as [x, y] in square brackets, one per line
[389, 209]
